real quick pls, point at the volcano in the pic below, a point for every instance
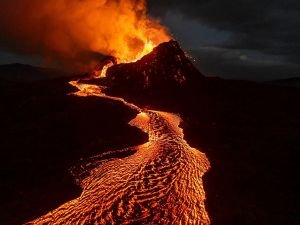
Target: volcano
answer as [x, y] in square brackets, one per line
[248, 132]
[163, 171]
[167, 70]
[167, 66]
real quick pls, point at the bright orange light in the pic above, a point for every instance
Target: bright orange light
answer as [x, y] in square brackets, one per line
[85, 90]
[148, 47]
[104, 70]
[75, 31]
[133, 34]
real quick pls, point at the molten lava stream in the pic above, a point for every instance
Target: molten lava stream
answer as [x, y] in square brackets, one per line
[161, 183]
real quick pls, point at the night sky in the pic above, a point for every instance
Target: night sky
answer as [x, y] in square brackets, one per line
[239, 39]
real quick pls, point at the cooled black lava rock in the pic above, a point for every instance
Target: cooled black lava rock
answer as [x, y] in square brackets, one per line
[167, 66]
[247, 130]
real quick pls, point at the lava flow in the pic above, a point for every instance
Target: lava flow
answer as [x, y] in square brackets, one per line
[159, 184]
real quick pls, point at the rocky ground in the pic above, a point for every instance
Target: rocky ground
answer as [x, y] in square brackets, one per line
[249, 132]
[43, 133]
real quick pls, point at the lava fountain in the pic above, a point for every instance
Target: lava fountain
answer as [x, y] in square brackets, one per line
[160, 183]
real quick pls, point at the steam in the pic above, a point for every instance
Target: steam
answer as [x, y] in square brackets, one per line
[77, 32]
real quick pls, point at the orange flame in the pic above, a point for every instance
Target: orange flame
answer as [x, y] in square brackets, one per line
[74, 31]
[136, 34]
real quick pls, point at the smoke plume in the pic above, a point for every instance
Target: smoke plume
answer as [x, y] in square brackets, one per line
[76, 32]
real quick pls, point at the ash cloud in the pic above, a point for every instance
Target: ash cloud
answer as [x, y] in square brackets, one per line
[75, 33]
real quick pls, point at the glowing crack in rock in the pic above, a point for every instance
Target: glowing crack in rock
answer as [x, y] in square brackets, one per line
[160, 183]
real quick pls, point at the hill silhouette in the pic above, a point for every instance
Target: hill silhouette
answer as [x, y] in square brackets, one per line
[249, 131]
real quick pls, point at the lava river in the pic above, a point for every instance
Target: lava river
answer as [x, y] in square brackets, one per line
[160, 183]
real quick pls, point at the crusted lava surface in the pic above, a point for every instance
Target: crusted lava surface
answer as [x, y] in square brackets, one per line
[44, 132]
[248, 130]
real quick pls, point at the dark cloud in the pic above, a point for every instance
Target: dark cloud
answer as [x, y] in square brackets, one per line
[241, 64]
[267, 27]
[231, 38]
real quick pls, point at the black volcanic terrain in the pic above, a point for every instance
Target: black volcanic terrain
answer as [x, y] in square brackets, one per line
[290, 82]
[250, 133]
[44, 132]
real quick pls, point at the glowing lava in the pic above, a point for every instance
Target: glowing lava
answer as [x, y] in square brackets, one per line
[160, 183]
[148, 47]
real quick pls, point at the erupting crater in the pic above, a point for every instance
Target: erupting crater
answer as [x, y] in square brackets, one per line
[161, 182]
